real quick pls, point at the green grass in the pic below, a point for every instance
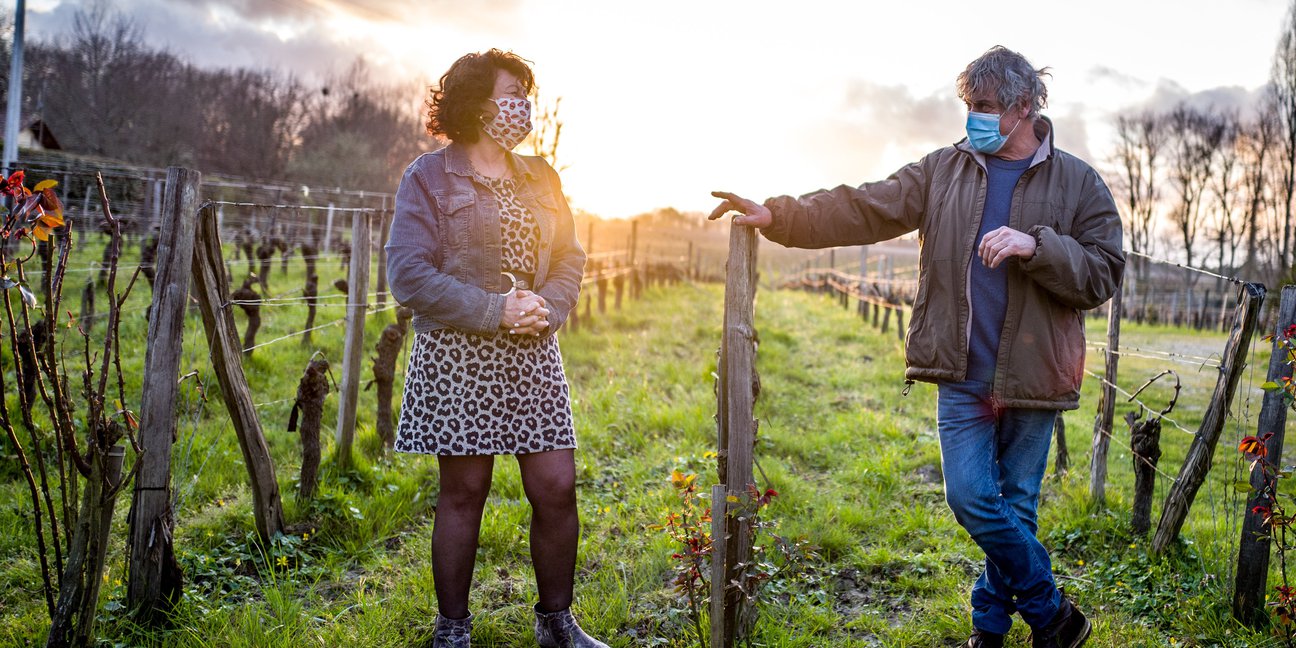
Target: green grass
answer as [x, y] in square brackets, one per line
[855, 462]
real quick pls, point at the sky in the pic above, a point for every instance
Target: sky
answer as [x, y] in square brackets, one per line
[665, 101]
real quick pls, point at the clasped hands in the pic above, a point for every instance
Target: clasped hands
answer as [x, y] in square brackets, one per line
[524, 313]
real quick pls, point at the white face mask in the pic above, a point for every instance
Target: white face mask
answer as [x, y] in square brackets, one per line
[512, 124]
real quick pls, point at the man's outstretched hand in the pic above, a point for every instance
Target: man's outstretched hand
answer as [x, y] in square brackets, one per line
[750, 213]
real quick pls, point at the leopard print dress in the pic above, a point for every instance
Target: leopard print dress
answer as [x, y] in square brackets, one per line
[468, 394]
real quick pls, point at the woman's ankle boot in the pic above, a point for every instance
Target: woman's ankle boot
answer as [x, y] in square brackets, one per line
[452, 633]
[560, 630]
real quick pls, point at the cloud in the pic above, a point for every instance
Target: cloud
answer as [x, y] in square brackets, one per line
[878, 128]
[1071, 133]
[1104, 74]
[309, 38]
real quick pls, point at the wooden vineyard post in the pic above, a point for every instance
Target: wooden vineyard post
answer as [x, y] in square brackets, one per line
[153, 584]
[212, 290]
[1106, 403]
[1198, 461]
[357, 296]
[1251, 584]
[384, 230]
[737, 434]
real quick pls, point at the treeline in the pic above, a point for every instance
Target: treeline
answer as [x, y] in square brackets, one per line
[1215, 187]
[101, 90]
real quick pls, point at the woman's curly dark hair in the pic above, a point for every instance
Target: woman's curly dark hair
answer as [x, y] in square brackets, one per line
[455, 107]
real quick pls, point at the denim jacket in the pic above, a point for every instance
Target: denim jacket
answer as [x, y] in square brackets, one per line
[443, 255]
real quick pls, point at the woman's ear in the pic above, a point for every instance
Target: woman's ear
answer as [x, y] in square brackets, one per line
[489, 109]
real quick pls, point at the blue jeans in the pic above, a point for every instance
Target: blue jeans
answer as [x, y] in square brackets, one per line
[994, 460]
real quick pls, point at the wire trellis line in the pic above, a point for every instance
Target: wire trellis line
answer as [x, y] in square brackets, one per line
[293, 335]
[1191, 360]
[227, 203]
[316, 328]
[1150, 408]
[1233, 280]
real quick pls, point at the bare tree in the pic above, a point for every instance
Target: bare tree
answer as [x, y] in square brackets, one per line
[1193, 137]
[548, 131]
[1283, 77]
[1226, 228]
[1139, 141]
[1255, 142]
[356, 119]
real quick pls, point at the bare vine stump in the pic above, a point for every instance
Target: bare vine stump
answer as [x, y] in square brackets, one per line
[1062, 460]
[384, 369]
[253, 312]
[285, 252]
[1145, 444]
[244, 241]
[148, 258]
[311, 291]
[309, 254]
[265, 254]
[311, 392]
[87, 305]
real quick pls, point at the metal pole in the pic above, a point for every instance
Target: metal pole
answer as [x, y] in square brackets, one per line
[14, 111]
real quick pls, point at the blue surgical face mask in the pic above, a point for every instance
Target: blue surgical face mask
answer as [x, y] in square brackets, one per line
[983, 132]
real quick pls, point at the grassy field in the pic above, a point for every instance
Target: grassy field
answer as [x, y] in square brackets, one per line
[856, 465]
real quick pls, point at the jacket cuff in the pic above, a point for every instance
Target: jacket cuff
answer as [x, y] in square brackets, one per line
[777, 230]
[1042, 234]
[494, 313]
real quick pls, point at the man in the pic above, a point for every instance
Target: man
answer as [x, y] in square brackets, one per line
[1015, 237]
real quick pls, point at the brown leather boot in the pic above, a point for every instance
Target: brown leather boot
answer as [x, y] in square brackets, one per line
[560, 630]
[1068, 629]
[982, 639]
[452, 633]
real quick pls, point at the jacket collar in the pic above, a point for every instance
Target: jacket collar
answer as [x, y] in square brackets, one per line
[456, 162]
[1043, 132]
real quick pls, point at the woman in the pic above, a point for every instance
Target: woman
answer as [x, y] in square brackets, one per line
[483, 249]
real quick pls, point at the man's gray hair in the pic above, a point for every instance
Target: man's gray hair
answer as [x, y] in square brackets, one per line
[1009, 75]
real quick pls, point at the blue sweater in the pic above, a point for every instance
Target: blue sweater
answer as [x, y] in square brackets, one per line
[989, 288]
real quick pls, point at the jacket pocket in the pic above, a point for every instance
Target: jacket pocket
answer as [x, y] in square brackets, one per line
[454, 215]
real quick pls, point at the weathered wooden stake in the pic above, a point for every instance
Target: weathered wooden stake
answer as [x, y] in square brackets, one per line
[1251, 583]
[211, 289]
[353, 352]
[384, 227]
[154, 583]
[737, 429]
[1202, 451]
[1106, 404]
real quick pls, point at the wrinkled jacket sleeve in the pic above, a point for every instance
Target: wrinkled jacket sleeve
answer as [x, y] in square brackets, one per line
[1083, 267]
[872, 212]
[413, 275]
[566, 261]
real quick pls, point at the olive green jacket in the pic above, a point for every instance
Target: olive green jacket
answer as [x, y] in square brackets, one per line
[1077, 264]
